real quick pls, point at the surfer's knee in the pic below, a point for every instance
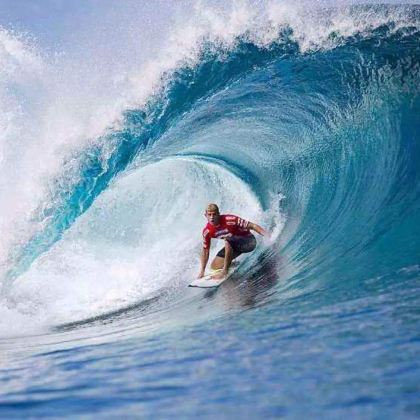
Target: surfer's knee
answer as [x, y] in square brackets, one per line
[251, 245]
[254, 245]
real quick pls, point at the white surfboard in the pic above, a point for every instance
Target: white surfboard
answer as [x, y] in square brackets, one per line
[207, 281]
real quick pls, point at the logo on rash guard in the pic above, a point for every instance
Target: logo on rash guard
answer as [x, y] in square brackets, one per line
[242, 223]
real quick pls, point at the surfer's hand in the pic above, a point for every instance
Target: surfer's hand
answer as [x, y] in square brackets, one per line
[200, 275]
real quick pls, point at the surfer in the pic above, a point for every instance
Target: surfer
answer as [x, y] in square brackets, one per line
[236, 233]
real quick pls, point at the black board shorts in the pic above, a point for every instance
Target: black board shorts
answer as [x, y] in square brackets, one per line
[240, 245]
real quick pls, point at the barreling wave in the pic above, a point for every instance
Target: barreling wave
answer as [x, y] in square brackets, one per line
[320, 130]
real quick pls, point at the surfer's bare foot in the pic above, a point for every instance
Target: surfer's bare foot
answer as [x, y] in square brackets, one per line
[219, 276]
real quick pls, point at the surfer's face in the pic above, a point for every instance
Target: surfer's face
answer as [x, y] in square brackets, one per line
[212, 217]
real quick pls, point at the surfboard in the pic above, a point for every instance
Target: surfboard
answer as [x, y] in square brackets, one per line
[207, 281]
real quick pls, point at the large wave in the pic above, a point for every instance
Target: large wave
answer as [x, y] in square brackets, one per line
[305, 123]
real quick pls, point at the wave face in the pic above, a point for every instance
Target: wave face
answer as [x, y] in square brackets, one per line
[308, 126]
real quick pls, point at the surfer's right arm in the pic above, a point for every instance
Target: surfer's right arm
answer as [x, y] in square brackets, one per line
[205, 252]
[204, 259]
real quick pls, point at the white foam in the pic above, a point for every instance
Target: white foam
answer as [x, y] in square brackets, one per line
[142, 234]
[20, 69]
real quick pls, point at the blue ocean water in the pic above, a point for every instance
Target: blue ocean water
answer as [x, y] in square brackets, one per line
[318, 142]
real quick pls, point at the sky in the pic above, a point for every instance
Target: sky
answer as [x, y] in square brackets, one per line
[59, 24]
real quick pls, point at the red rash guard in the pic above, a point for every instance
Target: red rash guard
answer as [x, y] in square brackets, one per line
[229, 225]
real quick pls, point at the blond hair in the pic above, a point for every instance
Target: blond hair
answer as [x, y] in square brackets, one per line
[212, 207]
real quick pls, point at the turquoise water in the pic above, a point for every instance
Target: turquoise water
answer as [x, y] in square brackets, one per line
[317, 141]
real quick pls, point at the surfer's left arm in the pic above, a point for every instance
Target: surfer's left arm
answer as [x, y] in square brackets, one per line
[258, 229]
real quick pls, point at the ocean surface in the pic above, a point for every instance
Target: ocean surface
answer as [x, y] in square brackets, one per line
[304, 121]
